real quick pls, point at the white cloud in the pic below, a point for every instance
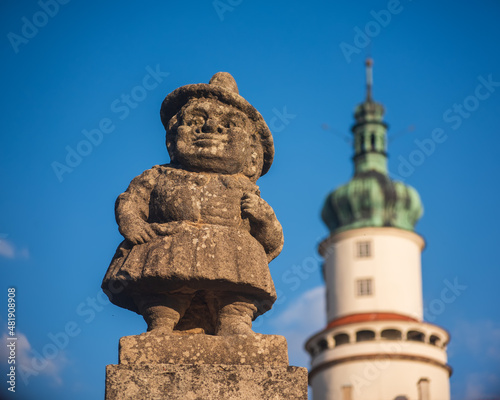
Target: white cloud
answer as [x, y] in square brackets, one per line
[304, 316]
[9, 250]
[306, 310]
[30, 364]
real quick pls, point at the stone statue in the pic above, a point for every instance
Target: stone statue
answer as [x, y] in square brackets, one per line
[198, 236]
[194, 262]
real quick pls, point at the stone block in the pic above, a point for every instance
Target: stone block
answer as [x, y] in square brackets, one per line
[205, 382]
[195, 349]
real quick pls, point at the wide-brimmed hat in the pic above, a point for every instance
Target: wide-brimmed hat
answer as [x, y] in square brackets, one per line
[223, 88]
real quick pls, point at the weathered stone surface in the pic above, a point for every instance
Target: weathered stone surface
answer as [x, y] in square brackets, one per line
[194, 262]
[198, 236]
[205, 382]
[270, 350]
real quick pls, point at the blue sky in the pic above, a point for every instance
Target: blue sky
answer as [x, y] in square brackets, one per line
[301, 65]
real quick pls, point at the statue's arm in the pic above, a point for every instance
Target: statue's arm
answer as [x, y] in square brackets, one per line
[132, 208]
[264, 225]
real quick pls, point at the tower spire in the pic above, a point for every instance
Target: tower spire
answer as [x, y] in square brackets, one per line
[369, 131]
[369, 78]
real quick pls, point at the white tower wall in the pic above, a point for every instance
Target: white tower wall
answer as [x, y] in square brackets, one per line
[392, 265]
[381, 379]
[376, 345]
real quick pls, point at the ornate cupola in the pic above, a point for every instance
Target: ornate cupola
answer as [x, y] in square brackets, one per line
[376, 345]
[371, 198]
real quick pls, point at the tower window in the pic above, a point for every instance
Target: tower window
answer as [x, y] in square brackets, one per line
[363, 249]
[323, 344]
[423, 389]
[341, 338]
[347, 392]
[372, 138]
[364, 287]
[363, 336]
[434, 340]
[416, 336]
[391, 334]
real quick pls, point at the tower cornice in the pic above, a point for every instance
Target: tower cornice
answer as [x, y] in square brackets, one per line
[324, 246]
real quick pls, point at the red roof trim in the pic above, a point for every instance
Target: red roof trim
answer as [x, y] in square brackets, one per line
[368, 317]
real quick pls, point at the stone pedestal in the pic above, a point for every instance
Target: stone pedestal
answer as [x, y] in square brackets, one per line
[205, 382]
[203, 367]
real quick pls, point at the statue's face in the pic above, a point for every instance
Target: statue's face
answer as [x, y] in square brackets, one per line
[212, 136]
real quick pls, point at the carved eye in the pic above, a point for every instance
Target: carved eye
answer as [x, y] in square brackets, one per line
[198, 120]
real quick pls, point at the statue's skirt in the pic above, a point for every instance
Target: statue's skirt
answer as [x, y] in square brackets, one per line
[191, 256]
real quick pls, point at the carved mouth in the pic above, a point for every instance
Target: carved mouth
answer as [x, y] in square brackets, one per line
[210, 140]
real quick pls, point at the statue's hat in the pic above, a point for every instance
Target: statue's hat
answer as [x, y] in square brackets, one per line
[221, 87]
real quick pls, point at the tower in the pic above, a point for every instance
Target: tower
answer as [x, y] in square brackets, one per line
[376, 345]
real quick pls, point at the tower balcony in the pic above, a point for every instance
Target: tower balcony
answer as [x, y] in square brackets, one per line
[379, 340]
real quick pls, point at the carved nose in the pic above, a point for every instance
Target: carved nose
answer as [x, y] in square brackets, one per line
[209, 126]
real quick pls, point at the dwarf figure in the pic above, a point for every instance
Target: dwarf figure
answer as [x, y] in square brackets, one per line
[198, 237]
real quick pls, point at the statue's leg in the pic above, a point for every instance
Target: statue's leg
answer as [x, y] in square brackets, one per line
[235, 314]
[161, 311]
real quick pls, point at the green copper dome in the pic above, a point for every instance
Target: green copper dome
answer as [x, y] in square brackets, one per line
[371, 198]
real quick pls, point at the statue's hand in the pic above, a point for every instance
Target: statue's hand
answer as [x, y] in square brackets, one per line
[256, 209]
[165, 229]
[138, 232]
